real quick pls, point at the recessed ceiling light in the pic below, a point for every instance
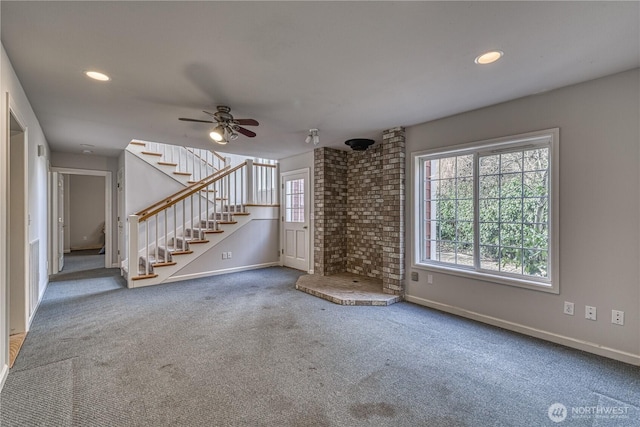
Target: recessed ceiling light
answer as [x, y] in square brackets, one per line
[489, 57]
[96, 75]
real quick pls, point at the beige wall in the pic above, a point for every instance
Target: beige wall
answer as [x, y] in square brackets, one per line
[86, 211]
[599, 216]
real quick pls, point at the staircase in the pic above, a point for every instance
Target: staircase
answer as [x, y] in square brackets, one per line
[177, 230]
[184, 164]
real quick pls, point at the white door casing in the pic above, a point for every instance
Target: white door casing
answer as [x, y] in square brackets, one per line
[60, 221]
[295, 219]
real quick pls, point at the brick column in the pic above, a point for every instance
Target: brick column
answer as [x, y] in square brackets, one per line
[330, 186]
[364, 212]
[393, 190]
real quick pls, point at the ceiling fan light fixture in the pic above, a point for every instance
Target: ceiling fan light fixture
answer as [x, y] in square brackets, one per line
[217, 134]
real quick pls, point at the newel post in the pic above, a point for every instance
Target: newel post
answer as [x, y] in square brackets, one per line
[249, 188]
[132, 259]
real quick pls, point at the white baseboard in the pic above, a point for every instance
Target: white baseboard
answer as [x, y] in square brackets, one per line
[3, 373]
[612, 353]
[35, 310]
[218, 272]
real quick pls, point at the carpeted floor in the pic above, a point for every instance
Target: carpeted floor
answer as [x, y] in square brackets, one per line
[247, 349]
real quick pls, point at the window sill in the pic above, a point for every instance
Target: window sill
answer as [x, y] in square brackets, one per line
[490, 278]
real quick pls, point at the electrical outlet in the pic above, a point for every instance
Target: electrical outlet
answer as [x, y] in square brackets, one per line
[430, 279]
[617, 317]
[224, 255]
[228, 255]
[590, 312]
[568, 308]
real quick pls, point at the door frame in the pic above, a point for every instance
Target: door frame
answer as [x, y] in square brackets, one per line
[17, 258]
[308, 215]
[108, 238]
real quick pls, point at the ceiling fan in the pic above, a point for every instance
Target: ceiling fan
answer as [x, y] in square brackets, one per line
[227, 127]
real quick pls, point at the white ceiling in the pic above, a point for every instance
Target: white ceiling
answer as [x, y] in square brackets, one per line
[350, 69]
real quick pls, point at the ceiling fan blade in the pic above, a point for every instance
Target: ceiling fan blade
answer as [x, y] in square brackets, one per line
[246, 122]
[211, 114]
[245, 132]
[184, 119]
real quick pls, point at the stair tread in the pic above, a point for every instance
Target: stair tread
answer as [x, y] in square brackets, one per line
[164, 264]
[144, 276]
[152, 153]
[182, 173]
[144, 144]
[241, 213]
[214, 231]
[196, 241]
[167, 164]
[181, 252]
[227, 222]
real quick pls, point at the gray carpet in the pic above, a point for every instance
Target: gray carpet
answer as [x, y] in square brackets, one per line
[247, 349]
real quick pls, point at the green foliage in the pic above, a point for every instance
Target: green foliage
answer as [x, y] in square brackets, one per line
[513, 210]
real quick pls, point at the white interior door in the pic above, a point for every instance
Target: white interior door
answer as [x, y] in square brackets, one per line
[295, 219]
[60, 216]
[121, 215]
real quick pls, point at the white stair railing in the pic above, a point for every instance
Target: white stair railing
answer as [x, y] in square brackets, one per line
[198, 162]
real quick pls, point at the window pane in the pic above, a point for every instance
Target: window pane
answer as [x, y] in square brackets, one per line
[465, 210]
[294, 200]
[511, 260]
[535, 184]
[489, 257]
[535, 236]
[536, 263]
[446, 251]
[510, 234]
[535, 209]
[447, 208]
[464, 231]
[489, 186]
[489, 210]
[465, 188]
[464, 254]
[489, 233]
[511, 162]
[447, 168]
[511, 210]
[511, 185]
[447, 189]
[429, 229]
[536, 160]
[489, 165]
[465, 166]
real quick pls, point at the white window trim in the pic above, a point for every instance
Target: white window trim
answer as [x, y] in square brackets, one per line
[552, 285]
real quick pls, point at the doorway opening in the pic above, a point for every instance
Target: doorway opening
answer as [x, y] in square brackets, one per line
[83, 205]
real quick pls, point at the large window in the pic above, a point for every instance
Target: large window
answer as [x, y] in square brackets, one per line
[487, 209]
